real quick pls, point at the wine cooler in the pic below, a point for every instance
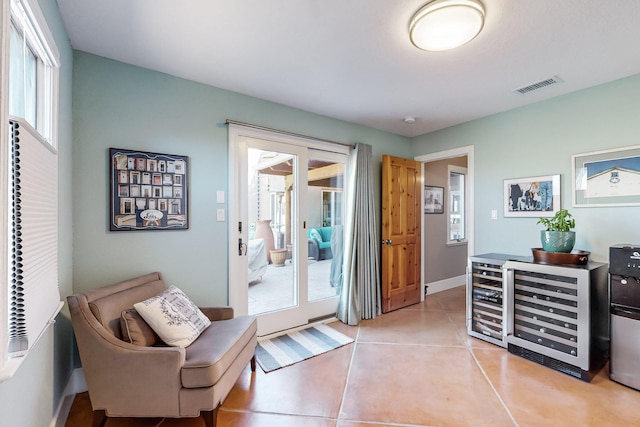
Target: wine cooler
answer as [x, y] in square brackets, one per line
[558, 315]
[486, 296]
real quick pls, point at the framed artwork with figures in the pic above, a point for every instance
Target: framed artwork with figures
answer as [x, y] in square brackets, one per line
[537, 196]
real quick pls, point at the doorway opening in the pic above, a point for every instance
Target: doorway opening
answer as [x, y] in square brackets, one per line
[272, 216]
[444, 259]
[285, 241]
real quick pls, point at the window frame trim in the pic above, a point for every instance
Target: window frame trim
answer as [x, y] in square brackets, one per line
[31, 21]
[31, 8]
[462, 171]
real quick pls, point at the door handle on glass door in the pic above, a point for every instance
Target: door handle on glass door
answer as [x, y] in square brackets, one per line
[242, 247]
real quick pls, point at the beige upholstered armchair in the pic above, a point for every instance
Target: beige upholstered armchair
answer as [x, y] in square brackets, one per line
[141, 380]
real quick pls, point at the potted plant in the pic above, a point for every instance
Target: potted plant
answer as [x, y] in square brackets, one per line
[558, 236]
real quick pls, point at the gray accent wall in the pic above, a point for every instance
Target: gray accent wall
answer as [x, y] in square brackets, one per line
[539, 140]
[441, 261]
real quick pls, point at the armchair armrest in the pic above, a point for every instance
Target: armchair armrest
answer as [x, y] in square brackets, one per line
[218, 313]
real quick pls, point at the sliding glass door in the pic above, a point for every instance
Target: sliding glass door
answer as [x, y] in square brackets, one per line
[286, 252]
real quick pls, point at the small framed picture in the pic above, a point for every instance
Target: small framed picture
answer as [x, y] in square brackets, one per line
[537, 196]
[433, 199]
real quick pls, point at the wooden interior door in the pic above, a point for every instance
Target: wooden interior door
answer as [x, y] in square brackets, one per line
[401, 231]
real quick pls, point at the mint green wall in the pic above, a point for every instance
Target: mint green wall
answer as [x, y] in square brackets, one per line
[122, 106]
[539, 140]
[30, 398]
[117, 105]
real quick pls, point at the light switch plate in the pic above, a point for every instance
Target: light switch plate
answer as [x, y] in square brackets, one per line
[494, 214]
[220, 196]
[220, 215]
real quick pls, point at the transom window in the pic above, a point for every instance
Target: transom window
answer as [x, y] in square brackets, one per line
[33, 70]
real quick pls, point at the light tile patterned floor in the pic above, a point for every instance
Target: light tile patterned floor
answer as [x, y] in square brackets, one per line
[413, 367]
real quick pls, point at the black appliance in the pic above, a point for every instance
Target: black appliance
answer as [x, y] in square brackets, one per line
[624, 271]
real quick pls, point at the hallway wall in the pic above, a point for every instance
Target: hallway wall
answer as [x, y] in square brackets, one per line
[441, 261]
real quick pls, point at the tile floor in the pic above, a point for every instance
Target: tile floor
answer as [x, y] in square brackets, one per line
[412, 367]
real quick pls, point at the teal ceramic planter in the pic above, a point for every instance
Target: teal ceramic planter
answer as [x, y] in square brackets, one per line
[557, 241]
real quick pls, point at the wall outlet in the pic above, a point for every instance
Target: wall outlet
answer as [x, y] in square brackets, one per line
[220, 215]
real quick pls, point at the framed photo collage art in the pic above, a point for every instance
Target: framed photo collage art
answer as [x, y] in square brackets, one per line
[149, 191]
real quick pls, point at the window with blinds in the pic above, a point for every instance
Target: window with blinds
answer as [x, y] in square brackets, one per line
[29, 295]
[34, 298]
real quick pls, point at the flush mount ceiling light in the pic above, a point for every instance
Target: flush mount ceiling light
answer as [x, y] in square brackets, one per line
[446, 24]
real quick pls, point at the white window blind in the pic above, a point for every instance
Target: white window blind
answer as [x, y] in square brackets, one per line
[29, 71]
[34, 297]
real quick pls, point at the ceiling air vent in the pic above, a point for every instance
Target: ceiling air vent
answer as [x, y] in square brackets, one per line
[538, 85]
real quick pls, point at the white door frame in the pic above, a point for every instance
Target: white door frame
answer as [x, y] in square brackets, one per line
[238, 136]
[448, 154]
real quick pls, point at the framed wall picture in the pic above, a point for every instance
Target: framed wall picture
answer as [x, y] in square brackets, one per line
[537, 196]
[606, 178]
[433, 199]
[148, 191]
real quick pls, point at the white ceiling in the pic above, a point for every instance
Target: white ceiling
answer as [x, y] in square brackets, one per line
[352, 59]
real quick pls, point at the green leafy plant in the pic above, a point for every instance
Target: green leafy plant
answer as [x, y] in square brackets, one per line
[561, 221]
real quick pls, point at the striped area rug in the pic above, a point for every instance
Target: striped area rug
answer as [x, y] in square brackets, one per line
[294, 347]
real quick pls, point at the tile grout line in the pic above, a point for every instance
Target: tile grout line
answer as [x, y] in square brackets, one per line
[346, 381]
[279, 414]
[344, 393]
[469, 349]
[502, 402]
[495, 391]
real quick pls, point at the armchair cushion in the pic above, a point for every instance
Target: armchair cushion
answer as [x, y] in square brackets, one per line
[174, 317]
[315, 234]
[320, 242]
[136, 331]
[210, 356]
[322, 235]
[325, 233]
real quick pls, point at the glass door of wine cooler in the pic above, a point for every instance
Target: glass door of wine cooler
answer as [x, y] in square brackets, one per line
[485, 300]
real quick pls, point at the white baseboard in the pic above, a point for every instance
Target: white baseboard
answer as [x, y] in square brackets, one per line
[76, 384]
[443, 285]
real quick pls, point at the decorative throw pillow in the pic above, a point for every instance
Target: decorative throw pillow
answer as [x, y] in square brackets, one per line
[136, 331]
[174, 317]
[315, 234]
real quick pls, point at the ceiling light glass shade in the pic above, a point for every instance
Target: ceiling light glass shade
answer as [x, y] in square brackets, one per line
[446, 24]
